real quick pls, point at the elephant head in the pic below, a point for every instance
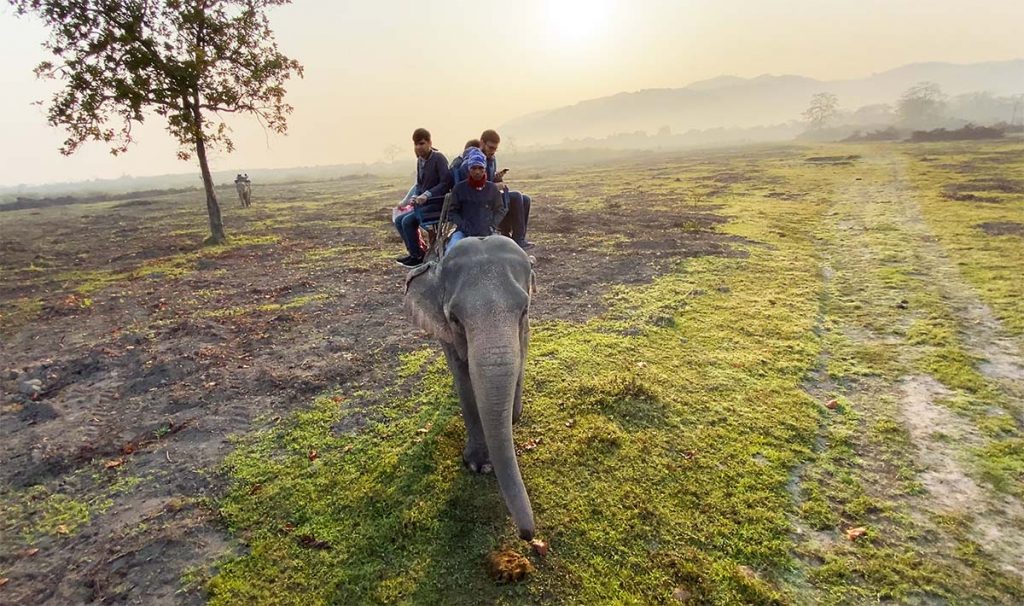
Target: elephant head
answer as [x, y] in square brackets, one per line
[475, 300]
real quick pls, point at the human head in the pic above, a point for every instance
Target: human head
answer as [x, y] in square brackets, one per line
[472, 143]
[489, 141]
[421, 142]
[476, 163]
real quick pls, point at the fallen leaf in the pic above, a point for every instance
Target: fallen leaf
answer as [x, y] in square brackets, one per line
[113, 463]
[855, 533]
[531, 445]
[832, 404]
[312, 542]
[255, 488]
[313, 455]
[570, 422]
[28, 553]
[539, 547]
[347, 448]
[128, 448]
[747, 572]
[337, 399]
[3, 581]
[62, 529]
[681, 594]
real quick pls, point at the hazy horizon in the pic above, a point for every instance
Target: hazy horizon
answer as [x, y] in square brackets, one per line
[459, 68]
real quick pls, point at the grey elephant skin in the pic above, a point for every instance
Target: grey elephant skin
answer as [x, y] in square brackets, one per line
[476, 302]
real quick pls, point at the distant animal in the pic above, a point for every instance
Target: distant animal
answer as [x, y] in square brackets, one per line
[244, 188]
[476, 302]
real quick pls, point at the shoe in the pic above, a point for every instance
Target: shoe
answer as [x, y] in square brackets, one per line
[525, 245]
[411, 261]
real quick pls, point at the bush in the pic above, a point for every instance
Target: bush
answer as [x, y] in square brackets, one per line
[965, 133]
[882, 134]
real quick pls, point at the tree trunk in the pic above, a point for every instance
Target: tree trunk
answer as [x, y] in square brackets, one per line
[212, 207]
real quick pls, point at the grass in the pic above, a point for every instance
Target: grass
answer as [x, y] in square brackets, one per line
[712, 436]
[992, 264]
[681, 445]
[39, 511]
[87, 282]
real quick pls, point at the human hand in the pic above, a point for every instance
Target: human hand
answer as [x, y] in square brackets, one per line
[420, 199]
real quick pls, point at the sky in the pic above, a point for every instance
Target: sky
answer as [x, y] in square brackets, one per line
[375, 71]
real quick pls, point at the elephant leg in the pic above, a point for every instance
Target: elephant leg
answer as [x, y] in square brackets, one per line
[517, 403]
[474, 455]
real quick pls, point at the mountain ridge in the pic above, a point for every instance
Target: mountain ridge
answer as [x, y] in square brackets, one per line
[730, 101]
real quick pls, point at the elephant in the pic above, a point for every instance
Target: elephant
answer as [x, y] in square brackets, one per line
[476, 302]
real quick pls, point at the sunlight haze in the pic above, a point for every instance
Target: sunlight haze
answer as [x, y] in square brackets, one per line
[375, 71]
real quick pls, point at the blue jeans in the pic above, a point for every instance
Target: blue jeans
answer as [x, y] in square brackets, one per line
[405, 200]
[518, 215]
[458, 235]
[408, 226]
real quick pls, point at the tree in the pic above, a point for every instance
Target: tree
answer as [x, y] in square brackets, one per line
[391, 152]
[821, 110]
[922, 105]
[189, 61]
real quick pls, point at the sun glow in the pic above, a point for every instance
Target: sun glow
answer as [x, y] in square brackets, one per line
[574, 23]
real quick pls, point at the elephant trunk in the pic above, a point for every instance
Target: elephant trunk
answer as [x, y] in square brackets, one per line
[495, 365]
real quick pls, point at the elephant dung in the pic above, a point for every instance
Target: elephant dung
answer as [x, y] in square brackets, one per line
[508, 566]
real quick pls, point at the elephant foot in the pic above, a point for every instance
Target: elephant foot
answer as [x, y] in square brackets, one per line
[476, 461]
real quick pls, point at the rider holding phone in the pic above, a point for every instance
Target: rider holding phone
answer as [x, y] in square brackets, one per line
[515, 222]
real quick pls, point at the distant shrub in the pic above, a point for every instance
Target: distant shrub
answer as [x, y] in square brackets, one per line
[23, 202]
[882, 134]
[965, 133]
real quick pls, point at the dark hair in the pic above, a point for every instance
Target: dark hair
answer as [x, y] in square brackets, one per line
[472, 143]
[420, 134]
[490, 136]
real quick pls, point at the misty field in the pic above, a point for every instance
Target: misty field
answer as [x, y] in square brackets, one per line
[775, 375]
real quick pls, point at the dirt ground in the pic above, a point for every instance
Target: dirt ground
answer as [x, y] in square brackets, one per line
[130, 355]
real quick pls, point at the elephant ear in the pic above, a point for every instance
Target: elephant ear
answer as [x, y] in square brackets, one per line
[423, 296]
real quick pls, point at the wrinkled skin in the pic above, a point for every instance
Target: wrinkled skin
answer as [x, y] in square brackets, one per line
[476, 302]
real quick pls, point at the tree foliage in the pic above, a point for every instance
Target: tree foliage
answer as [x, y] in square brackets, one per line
[921, 105]
[189, 61]
[822, 109]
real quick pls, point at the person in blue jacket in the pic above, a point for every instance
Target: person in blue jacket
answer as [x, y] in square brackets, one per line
[476, 207]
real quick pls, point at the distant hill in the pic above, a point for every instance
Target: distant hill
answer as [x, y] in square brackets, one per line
[734, 102]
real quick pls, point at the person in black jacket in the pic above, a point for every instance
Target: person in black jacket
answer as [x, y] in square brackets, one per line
[433, 181]
[476, 207]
